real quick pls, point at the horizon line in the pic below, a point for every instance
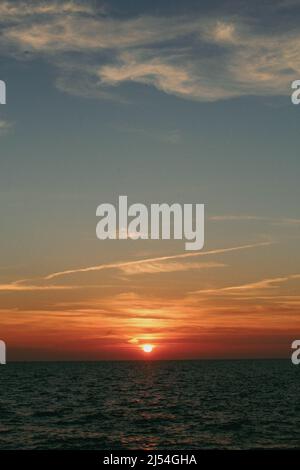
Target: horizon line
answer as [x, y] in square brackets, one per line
[148, 360]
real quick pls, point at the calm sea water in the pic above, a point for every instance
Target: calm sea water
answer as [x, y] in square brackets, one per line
[150, 405]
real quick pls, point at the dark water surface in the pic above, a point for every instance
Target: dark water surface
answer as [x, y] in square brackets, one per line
[150, 405]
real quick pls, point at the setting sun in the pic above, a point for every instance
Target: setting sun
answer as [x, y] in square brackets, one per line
[147, 348]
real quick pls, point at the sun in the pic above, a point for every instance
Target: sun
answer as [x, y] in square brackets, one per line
[147, 348]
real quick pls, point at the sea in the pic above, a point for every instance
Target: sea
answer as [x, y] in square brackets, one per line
[150, 405]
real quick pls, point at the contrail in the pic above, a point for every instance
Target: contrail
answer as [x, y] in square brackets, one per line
[120, 265]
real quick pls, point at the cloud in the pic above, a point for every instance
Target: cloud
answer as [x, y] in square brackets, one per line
[170, 263]
[161, 267]
[231, 217]
[167, 136]
[125, 264]
[12, 11]
[193, 56]
[5, 127]
[285, 221]
[268, 283]
[19, 286]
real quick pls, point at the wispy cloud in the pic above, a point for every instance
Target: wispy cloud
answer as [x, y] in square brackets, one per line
[168, 136]
[137, 263]
[5, 126]
[233, 217]
[251, 286]
[168, 267]
[244, 217]
[22, 286]
[12, 11]
[172, 54]
[154, 265]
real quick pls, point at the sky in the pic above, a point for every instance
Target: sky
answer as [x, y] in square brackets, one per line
[186, 102]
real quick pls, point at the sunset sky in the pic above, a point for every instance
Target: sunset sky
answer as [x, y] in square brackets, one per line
[187, 103]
